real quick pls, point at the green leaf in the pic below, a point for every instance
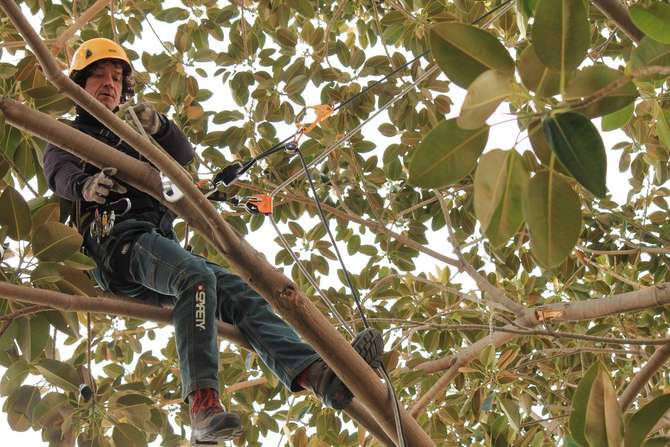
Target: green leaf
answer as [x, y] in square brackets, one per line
[171, 15]
[580, 400]
[618, 119]
[591, 79]
[7, 70]
[46, 272]
[128, 435]
[15, 215]
[33, 336]
[561, 33]
[650, 53]
[604, 422]
[446, 155]
[541, 148]
[653, 20]
[55, 242]
[50, 409]
[662, 441]
[79, 261]
[8, 337]
[500, 186]
[14, 376]
[536, 76]
[577, 143]
[304, 7]
[511, 410]
[484, 96]
[640, 424]
[552, 212]
[463, 52]
[19, 406]
[60, 374]
[662, 125]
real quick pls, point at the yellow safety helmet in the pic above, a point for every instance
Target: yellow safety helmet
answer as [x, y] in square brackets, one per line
[94, 50]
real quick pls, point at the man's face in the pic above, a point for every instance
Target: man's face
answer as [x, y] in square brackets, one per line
[106, 83]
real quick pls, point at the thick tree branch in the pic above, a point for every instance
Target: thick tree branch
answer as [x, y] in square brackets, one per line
[618, 14]
[655, 362]
[278, 290]
[647, 298]
[109, 306]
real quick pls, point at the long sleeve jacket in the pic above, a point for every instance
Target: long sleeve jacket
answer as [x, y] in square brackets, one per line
[66, 173]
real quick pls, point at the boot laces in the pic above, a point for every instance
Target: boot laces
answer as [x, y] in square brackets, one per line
[206, 400]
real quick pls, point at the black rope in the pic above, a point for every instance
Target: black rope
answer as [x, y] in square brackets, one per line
[379, 81]
[482, 17]
[324, 222]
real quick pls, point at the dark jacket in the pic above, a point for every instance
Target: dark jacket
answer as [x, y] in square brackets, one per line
[66, 174]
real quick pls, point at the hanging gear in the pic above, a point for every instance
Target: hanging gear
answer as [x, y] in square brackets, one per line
[104, 218]
[97, 49]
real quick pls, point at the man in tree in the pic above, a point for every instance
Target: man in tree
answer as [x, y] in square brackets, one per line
[129, 235]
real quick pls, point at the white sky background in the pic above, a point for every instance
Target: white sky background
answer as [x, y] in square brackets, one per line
[502, 136]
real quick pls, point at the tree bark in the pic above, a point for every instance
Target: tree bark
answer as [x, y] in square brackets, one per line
[655, 362]
[647, 298]
[112, 306]
[618, 14]
[278, 290]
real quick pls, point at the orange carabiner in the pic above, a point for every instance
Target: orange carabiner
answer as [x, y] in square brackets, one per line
[323, 111]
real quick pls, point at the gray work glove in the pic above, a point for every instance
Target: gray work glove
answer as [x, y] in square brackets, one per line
[149, 118]
[97, 187]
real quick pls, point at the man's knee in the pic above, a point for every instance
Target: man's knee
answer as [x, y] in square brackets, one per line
[194, 274]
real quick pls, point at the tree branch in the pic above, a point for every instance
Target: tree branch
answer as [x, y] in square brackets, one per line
[115, 306]
[618, 14]
[655, 362]
[495, 294]
[464, 357]
[86, 17]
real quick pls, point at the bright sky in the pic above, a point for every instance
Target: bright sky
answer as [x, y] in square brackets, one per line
[502, 136]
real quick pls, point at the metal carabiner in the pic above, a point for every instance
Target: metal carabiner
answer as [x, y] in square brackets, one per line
[170, 191]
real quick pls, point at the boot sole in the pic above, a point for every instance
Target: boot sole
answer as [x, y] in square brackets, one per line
[369, 344]
[223, 435]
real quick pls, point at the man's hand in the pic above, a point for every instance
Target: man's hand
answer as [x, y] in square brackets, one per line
[148, 117]
[97, 187]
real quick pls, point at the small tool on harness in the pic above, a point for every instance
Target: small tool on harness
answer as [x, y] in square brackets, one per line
[104, 217]
[170, 191]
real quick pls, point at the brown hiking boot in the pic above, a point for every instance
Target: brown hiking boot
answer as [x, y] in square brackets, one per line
[210, 423]
[321, 380]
